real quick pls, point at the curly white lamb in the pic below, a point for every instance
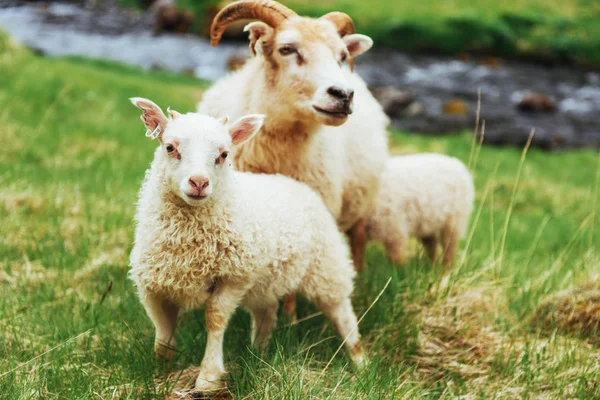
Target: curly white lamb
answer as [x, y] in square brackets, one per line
[210, 236]
[428, 196]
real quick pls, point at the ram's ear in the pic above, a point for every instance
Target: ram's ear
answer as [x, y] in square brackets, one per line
[245, 127]
[357, 44]
[259, 34]
[154, 119]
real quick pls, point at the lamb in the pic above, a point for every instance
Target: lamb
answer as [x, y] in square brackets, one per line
[324, 128]
[428, 196]
[210, 236]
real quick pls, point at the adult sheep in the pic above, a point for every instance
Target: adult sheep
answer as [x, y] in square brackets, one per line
[323, 126]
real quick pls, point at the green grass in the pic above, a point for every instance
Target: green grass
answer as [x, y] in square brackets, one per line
[72, 158]
[548, 30]
[567, 31]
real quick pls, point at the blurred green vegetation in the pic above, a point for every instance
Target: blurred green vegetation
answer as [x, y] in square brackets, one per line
[545, 30]
[557, 30]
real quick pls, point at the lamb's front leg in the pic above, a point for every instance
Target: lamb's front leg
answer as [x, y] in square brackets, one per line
[163, 314]
[219, 309]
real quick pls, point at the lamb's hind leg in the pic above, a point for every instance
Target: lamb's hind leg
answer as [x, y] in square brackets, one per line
[395, 252]
[163, 314]
[395, 240]
[430, 244]
[343, 318]
[263, 322]
[450, 239]
[329, 283]
[289, 305]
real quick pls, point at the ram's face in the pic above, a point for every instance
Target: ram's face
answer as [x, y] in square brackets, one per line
[305, 58]
[308, 62]
[309, 59]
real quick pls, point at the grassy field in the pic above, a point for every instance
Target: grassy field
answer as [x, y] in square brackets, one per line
[550, 30]
[516, 317]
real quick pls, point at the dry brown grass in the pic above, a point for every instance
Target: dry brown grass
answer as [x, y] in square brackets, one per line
[572, 311]
[180, 384]
[458, 335]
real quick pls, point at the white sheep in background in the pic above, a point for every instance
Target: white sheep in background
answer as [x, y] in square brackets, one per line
[428, 196]
[209, 236]
[323, 126]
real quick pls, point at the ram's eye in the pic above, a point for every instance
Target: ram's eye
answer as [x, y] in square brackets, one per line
[287, 50]
[170, 148]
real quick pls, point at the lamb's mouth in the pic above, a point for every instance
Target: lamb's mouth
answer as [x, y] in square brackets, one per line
[334, 113]
[197, 196]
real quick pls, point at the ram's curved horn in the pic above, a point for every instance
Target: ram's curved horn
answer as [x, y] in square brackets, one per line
[342, 21]
[270, 12]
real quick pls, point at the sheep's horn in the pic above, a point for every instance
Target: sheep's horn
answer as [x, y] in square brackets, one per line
[270, 12]
[342, 21]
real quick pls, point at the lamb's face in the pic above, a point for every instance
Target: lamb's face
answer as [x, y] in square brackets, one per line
[196, 151]
[194, 148]
[306, 62]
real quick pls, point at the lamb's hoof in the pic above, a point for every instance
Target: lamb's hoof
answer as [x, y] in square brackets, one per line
[359, 359]
[214, 395]
[210, 385]
[360, 362]
[163, 351]
[193, 395]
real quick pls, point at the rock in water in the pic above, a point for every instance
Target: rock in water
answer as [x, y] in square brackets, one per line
[536, 102]
[393, 100]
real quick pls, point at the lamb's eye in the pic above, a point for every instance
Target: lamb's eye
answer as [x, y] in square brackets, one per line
[287, 50]
[221, 157]
[170, 148]
[343, 58]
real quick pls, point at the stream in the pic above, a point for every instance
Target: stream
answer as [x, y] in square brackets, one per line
[422, 93]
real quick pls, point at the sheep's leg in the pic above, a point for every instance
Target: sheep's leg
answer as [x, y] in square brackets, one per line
[450, 239]
[263, 322]
[430, 244]
[219, 309]
[163, 314]
[343, 318]
[395, 251]
[358, 242]
[289, 305]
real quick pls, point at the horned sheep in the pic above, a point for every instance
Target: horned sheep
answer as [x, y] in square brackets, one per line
[428, 196]
[324, 128]
[210, 236]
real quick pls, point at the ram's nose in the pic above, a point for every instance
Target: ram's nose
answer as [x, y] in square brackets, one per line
[345, 95]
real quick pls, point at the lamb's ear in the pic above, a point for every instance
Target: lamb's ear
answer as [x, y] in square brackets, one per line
[257, 30]
[357, 44]
[154, 119]
[173, 114]
[245, 127]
